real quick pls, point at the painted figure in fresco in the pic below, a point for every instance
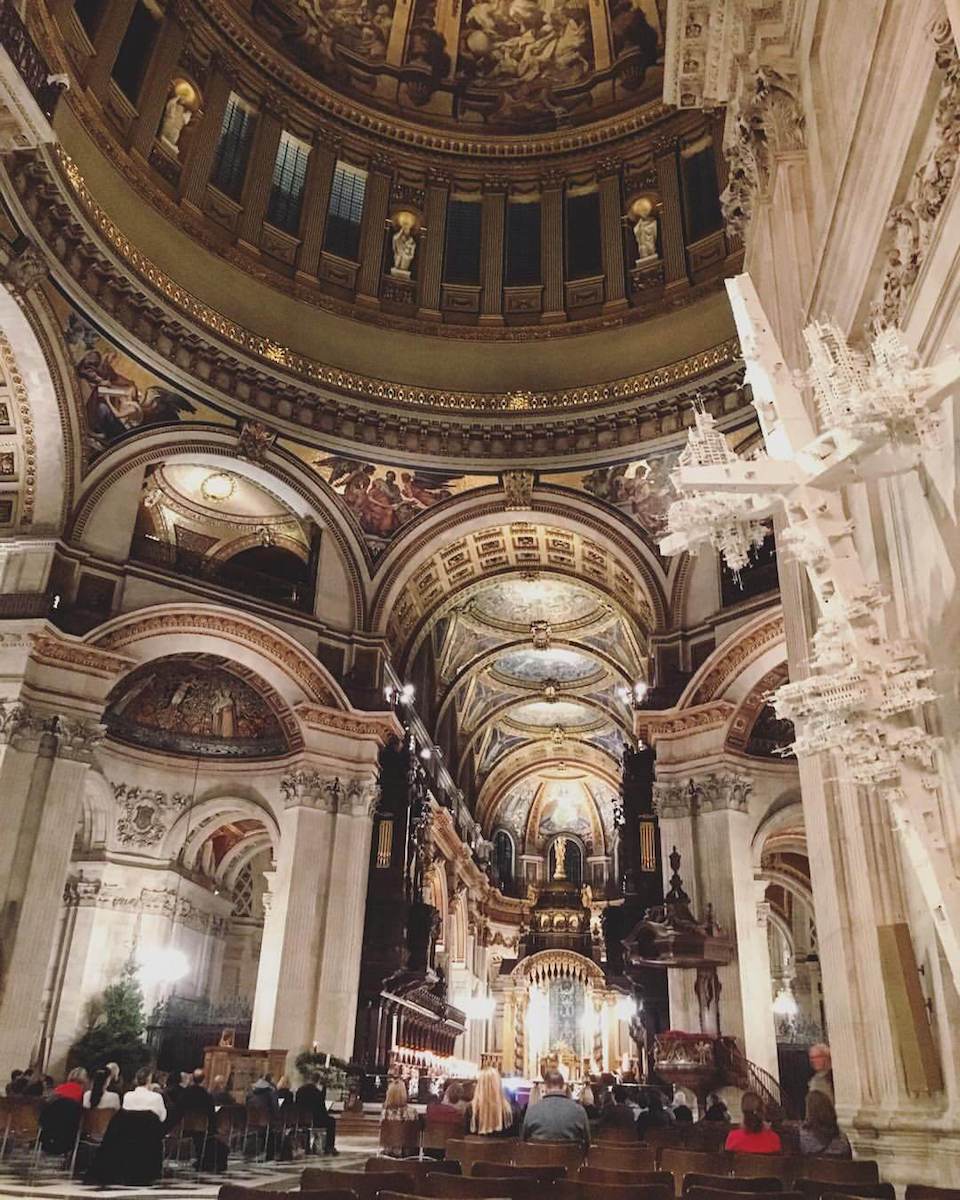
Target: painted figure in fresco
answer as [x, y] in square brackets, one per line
[526, 42]
[380, 502]
[632, 30]
[643, 489]
[353, 25]
[114, 402]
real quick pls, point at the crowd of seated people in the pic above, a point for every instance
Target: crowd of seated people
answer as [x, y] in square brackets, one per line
[127, 1144]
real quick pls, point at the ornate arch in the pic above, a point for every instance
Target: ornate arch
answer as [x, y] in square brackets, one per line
[210, 628]
[279, 472]
[38, 465]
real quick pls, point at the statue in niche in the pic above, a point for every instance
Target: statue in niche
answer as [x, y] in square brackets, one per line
[404, 244]
[644, 229]
[177, 114]
[561, 852]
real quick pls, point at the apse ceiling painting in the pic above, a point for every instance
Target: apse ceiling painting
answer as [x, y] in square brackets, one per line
[193, 704]
[531, 666]
[545, 803]
[538, 64]
[516, 602]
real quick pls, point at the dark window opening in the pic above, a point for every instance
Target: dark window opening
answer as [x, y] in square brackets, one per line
[289, 178]
[135, 52]
[233, 148]
[345, 211]
[523, 245]
[701, 202]
[758, 577]
[584, 248]
[90, 14]
[461, 259]
[503, 858]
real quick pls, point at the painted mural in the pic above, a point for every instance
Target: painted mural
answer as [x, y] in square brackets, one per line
[531, 62]
[545, 714]
[117, 394]
[383, 499]
[519, 601]
[191, 707]
[528, 665]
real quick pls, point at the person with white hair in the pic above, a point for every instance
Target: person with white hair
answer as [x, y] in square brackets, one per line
[822, 1064]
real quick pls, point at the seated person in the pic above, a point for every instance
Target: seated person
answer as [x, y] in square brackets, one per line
[716, 1109]
[490, 1113]
[820, 1134]
[654, 1115]
[449, 1110]
[73, 1086]
[312, 1098]
[144, 1098]
[556, 1118]
[752, 1136]
[219, 1094]
[396, 1103]
[98, 1096]
[618, 1117]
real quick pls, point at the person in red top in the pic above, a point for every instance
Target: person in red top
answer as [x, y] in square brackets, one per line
[752, 1136]
[74, 1086]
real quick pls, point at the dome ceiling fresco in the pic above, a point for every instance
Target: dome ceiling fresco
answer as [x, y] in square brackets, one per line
[495, 64]
[531, 666]
[548, 714]
[545, 803]
[518, 602]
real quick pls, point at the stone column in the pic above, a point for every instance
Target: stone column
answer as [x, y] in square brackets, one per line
[611, 232]
[316, 201]
[156, 85]
[372, 234]
[116, 18]
[671, 213]
[493, 214]
[203, 145]
[551, 247]
[259, 179]
[336, 1007]
[313, 931]
[431, 247]
[45, 762]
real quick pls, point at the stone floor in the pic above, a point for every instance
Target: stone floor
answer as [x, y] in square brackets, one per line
[18, 1179]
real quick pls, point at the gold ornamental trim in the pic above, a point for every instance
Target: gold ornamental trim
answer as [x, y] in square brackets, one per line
[368, 387]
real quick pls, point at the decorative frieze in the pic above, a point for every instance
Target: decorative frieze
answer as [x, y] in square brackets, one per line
[311, 788]
[145, 814]
[717, 791]
[167, 903]
[23, 725]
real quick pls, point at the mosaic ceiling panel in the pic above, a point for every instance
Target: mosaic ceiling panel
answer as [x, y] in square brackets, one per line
[194, 705]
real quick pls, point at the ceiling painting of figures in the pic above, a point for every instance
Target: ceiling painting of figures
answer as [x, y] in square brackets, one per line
[517, 602]
[529, 64]
[532, 666]
[117, 395]
[196, 705]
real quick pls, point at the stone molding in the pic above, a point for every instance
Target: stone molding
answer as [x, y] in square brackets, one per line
[378, 725]
[78, 656]
[312, 788]
[155, 902]
[731, 659]
[767, 121]
[717, 791]
[145, 814]
[653, 727]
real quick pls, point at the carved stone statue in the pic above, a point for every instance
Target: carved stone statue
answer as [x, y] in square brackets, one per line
[645, 229]
[177, 114]
[560, 846]
[404, 244]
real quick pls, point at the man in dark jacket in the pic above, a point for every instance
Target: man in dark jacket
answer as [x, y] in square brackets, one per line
[556, 1118]
[195, 1098]
[312, 1098]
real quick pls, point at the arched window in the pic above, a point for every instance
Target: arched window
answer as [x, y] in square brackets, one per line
[503, 857]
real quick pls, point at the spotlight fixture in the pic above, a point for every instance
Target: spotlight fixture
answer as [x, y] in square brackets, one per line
[426, 753]
[407, 693]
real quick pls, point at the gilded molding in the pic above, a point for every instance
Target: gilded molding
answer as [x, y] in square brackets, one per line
[743, 648]
[381, 726]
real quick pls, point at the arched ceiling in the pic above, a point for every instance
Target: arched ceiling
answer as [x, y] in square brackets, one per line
[531, 659]
[561, 798]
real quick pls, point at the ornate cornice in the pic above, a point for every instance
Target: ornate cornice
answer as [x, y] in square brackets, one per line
[652, 727]
[730, 660]
[378, 726]
[23, 726]
[78, 656]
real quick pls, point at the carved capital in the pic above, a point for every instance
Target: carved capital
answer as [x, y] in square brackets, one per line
[25, 269]
[312, 789]
[714, 792]
[77, 739]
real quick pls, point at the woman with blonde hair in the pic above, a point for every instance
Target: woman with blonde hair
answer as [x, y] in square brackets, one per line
[396, 1103]
[490, 1113]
